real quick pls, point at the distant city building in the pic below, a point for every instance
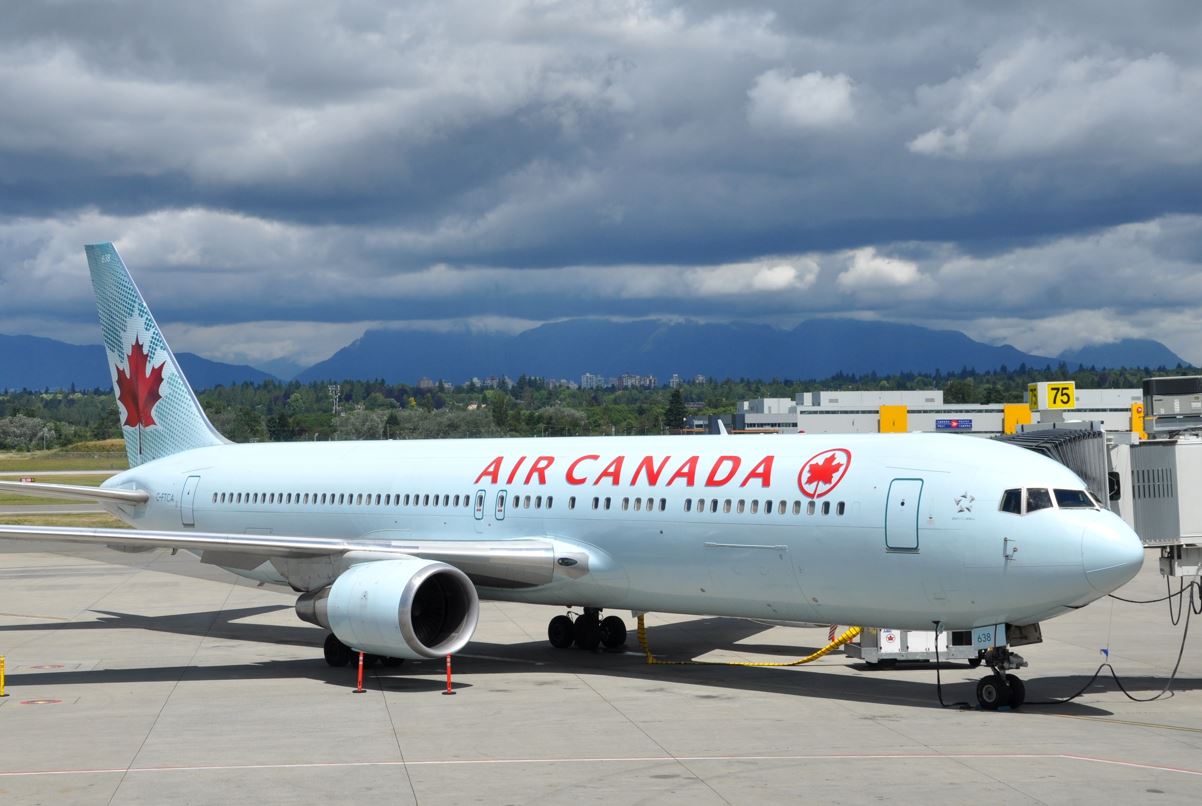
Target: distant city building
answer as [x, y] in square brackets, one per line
[425, 383]
[674, 382]
[561, 383]
[590, 381]
[699, 379]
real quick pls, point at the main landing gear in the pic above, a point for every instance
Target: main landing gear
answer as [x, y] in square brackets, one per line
[339, 654]
[588, 631]
[1000, 688]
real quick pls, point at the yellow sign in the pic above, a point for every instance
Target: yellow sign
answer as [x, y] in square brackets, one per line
[1052, 395]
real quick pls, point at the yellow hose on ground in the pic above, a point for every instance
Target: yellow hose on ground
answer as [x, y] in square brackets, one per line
[832, 646]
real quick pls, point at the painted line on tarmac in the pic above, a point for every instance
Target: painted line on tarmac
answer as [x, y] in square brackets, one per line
[1159, 725]
[612, 760]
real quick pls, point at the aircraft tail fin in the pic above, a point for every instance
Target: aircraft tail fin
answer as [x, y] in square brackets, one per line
[159, 412]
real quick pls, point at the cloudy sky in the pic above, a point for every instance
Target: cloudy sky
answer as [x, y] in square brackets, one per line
[281, 176]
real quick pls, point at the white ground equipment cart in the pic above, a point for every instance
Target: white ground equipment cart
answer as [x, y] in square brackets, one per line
[887, 647]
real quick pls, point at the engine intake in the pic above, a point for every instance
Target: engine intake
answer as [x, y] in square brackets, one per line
[406, 608]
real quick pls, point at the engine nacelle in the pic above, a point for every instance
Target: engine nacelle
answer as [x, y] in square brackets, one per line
[407, 608]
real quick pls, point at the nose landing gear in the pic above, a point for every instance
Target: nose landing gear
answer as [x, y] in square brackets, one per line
[1000, 688]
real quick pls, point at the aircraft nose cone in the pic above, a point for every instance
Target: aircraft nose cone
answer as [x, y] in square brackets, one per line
[1111, 554]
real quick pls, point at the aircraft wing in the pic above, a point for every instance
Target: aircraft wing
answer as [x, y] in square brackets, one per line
[520, 562]
[75, 492]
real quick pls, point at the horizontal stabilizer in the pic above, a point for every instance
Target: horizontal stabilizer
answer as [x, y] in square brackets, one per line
[74, 492]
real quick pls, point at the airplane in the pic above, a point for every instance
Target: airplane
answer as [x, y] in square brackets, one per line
[390, 545]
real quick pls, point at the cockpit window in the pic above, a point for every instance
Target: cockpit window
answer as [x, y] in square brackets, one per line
[1012, 501]
[1038, 498]
[1073, 499]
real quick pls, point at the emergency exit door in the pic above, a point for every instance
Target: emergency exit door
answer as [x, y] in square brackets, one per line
[901, 515]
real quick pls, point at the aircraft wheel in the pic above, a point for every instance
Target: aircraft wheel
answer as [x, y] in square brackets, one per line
[1018, 691]
[337, 653]
[990, 693]
[613, 632]
[587, 632]
[560, 632]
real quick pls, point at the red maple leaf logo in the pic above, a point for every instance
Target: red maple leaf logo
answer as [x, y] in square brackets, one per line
[139, 390]
[824, 471]
[818, 478]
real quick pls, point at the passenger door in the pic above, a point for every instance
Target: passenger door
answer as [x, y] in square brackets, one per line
[901, 515]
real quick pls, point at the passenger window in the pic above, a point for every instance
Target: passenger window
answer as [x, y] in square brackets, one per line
[781, 508]
[607, 502]
[663, 504]
[768, 507]
[426, 500]
[739, 507]
[688, 505]
[826, 507]
[638, 505]
[1012, 501]
[595, 502]
[755, 506]
[726, 505]
[406, 499]
[625, 504]
[571, 502]
[1073, 499]
[810, 508]
[548, 502]
[839, 508]
[796, 507]
[377, 499]
[1038, 498]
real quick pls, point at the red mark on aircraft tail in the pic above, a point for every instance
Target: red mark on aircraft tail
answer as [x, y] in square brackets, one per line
[138, 392]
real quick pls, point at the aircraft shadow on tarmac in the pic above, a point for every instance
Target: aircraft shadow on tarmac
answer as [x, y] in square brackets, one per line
[913, 685]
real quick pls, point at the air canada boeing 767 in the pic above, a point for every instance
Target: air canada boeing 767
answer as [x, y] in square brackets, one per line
[390, 545]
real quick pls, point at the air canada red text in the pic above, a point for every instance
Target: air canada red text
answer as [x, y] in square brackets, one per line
[655, 471]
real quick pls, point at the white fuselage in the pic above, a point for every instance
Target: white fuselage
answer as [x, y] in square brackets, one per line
[896, 530]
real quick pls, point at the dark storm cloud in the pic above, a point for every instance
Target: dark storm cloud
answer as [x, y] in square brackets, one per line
[359, 162]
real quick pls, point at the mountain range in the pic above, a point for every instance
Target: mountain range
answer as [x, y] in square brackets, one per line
[816, 348]
[31, 362]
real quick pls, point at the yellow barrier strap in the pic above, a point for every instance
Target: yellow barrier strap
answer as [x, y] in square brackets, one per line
[846, 637]
[2, 694]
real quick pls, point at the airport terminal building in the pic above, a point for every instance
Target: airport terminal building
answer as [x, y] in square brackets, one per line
[841, 412]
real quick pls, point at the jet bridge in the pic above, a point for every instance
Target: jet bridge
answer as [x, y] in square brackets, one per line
[1152, 483]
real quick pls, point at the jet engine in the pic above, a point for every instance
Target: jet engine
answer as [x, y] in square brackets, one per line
[407, 608]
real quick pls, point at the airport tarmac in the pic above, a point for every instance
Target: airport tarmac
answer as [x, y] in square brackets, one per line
[128, 684]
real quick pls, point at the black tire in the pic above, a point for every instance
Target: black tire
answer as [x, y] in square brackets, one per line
[560, 632]
[1018, 691]
[974, 663]
[337, 653]
[586, 631]
[990, 694]
[613, 632]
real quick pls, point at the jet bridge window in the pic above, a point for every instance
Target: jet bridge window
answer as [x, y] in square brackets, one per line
[1038, 498]
[1073, 499]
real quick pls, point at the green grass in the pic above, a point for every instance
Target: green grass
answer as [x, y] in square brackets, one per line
[98, 520]
[29, 463]
[11, 499]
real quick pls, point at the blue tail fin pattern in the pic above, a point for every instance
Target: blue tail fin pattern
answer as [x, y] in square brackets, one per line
[160, 414]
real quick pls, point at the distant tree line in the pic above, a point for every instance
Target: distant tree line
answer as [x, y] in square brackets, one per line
[292, 411]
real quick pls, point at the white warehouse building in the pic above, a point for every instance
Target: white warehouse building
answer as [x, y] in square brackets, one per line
[841, 412]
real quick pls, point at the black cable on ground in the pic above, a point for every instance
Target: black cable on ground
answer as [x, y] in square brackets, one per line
[939, 677]
[1195, 606]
